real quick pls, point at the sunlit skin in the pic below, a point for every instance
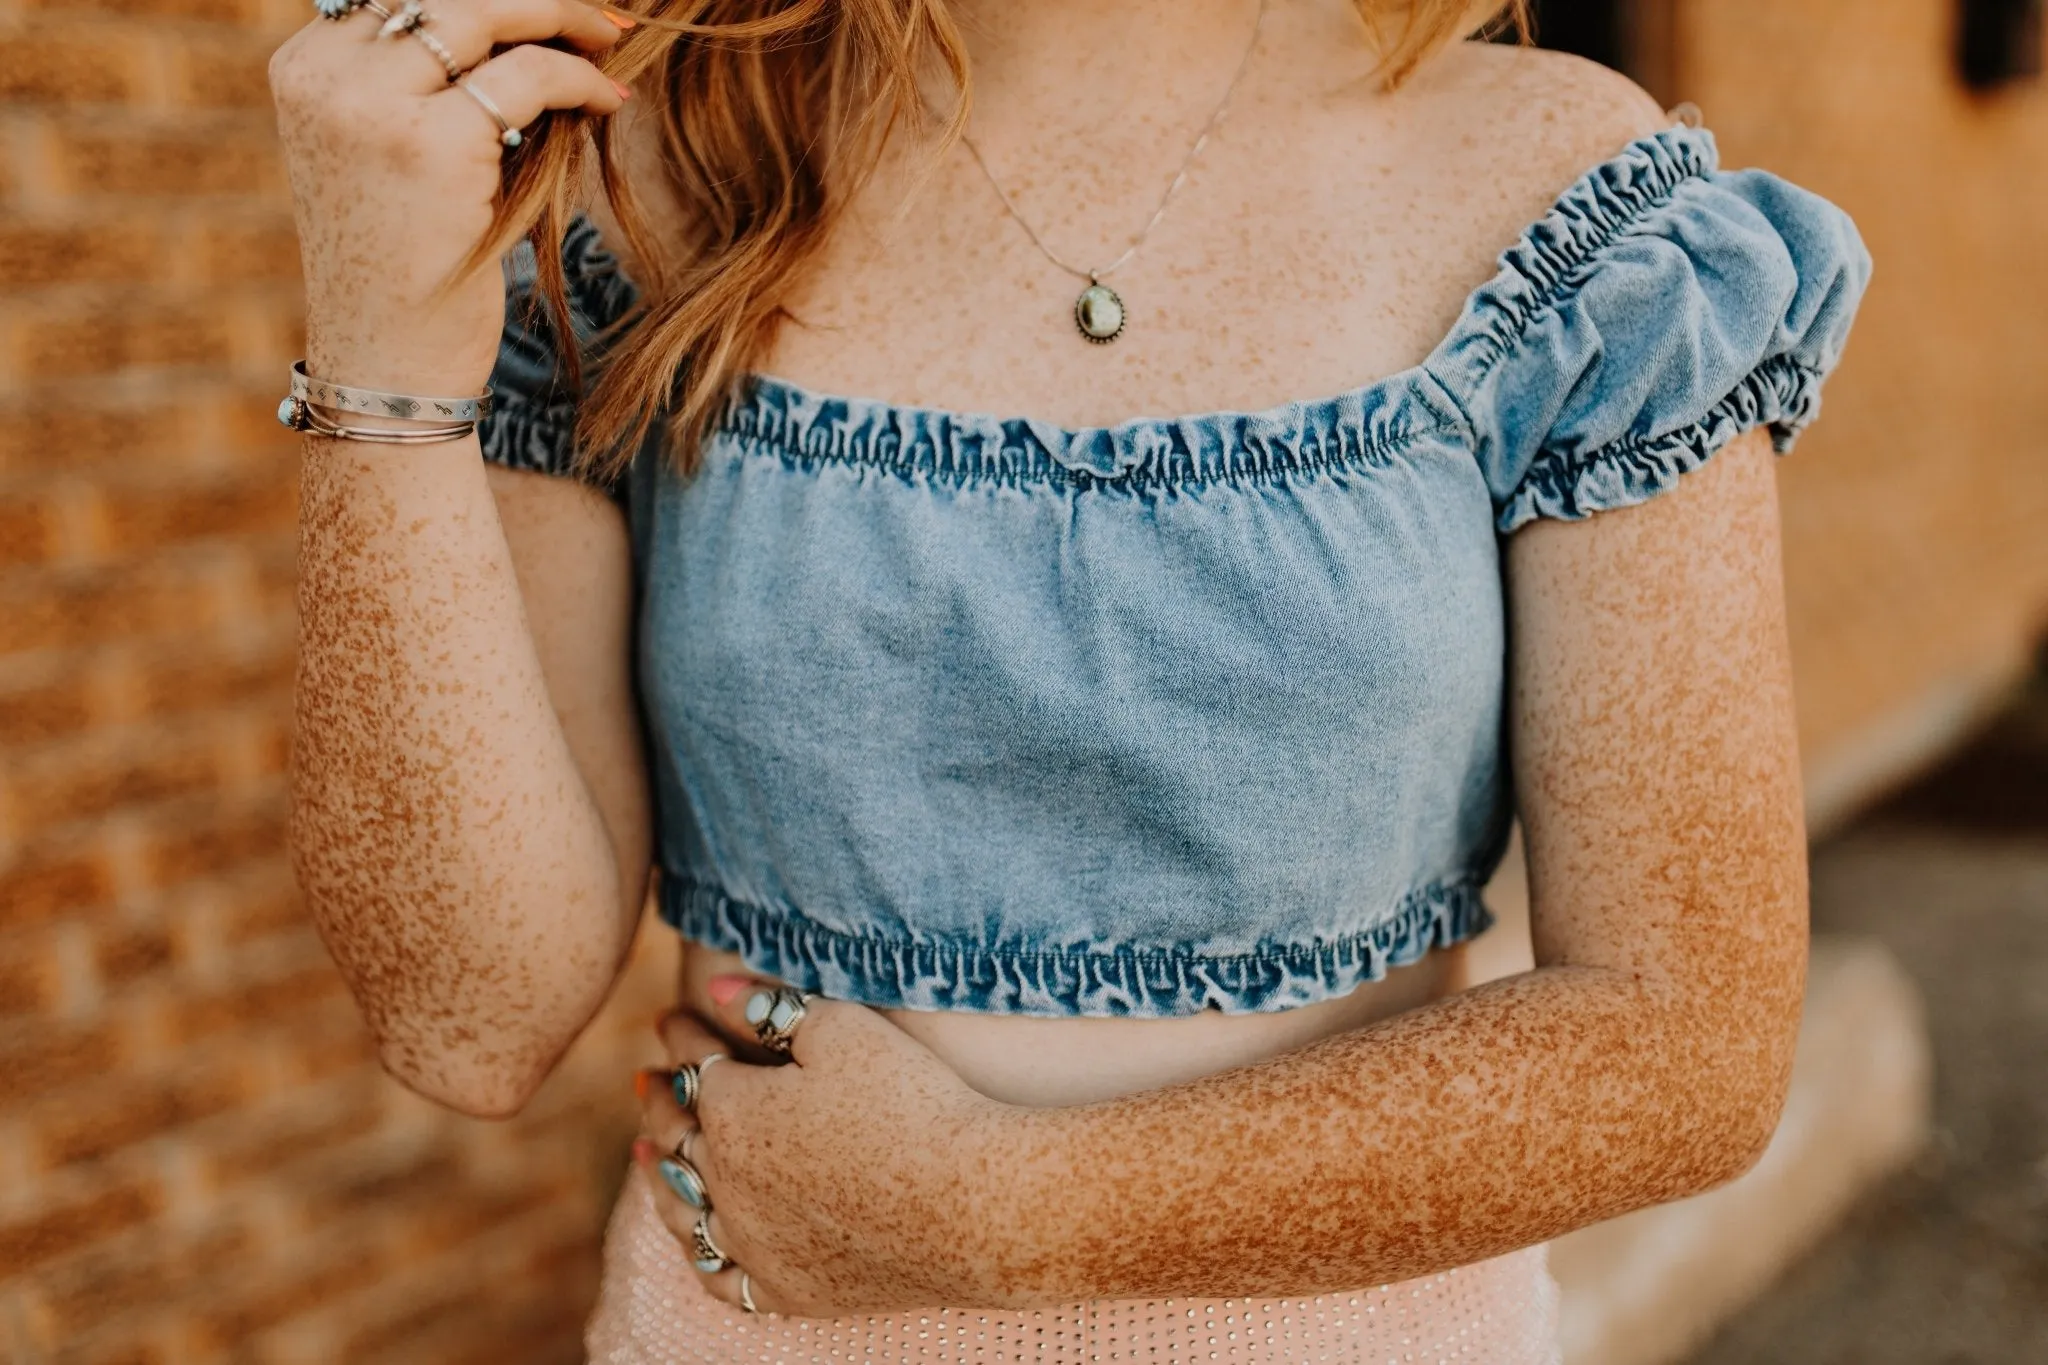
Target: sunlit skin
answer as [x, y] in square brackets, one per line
[471, 818]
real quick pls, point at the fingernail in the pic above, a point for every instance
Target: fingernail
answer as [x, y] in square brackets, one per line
[623, 21]
[724, 988]
[643, 1150]
[624, 93]
[643, 1081]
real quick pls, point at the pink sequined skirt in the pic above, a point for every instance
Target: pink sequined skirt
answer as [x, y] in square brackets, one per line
[653, 1311]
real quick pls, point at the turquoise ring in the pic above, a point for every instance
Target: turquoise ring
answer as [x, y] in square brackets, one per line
[685, 1179]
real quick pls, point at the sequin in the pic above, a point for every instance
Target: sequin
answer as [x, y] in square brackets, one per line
[653, 1311]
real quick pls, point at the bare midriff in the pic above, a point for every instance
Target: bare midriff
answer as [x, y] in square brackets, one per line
[1037, 1061]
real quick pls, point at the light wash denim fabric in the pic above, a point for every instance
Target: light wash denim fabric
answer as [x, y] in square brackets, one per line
[951, 711]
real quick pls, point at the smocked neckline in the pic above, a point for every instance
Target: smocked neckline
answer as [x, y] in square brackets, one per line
[1361, 425]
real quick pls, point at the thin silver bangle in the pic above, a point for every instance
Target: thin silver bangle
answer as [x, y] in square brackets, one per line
[410, 407]
[300, 415]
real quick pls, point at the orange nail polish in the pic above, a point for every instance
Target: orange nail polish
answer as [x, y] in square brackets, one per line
[623, 21]
[723, 988]
[640, 1085]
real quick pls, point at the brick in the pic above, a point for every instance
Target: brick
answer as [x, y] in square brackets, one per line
[214, 156]
[34, 1240]
[42, 251]
[102, 775]
[123, 954]
[92, 1126]
[162, 1270]
[224, 69]
[42, 1056]
[72, 343]
[68, 63]
[251, 1005]
[29, 978]
[247, 250]
[138, 519]
[306, 1126]
[52, 880]
[208, 842]
[31, 527]
[290, 1290]
[264, 910]
[215, 11]
[68, 437]
[180, 683]
[34, 713]
[124, 603]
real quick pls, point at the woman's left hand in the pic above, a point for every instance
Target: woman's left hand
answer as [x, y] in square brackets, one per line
[861, 1176]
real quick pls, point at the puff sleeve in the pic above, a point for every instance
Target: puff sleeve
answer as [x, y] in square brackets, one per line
[1661, 309]
[533, 418]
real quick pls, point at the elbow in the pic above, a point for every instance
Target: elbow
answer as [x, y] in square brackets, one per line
[1747, 1103]
[473, 1087]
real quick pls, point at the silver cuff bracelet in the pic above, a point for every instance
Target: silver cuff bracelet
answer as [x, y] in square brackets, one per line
[342, 398]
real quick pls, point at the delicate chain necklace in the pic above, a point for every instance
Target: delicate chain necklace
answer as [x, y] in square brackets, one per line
[1099, 311]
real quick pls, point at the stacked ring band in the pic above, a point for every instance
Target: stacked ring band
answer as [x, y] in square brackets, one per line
[412, 18]
[708, 1258]
[507, 134]
[775, 1015]
[682, 1176]
[747, 1292]
[686, 1082]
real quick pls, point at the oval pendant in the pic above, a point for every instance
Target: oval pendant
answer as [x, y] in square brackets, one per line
[1099, 313]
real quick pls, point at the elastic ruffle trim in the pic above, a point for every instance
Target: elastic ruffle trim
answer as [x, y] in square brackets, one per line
[1152, 983]
[1781, 393]
[1539, 271]
[1360, 429]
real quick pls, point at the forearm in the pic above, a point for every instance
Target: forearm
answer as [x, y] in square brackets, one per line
[1486, 1122]
[450, 852]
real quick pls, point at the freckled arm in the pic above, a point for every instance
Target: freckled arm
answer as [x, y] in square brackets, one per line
[1645, 1059]
[469, 821]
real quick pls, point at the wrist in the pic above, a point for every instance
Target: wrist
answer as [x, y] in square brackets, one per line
[1023, 1209]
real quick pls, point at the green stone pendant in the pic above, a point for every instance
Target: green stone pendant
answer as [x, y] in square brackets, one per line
[1099, 313]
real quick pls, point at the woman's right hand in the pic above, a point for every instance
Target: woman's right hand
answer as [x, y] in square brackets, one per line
[394, 172]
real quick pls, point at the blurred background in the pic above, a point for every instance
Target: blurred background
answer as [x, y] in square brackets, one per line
[199, 1159]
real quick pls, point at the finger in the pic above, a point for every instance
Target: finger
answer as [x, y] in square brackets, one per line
[471, 29]
[687, 1037]
[678, 1216]
[725, 1285]
[663, 1120]
[741, 1000]
[526, 81]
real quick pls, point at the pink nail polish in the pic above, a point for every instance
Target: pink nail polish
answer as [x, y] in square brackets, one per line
[624, 93]
[643, 1150]
[724, 988]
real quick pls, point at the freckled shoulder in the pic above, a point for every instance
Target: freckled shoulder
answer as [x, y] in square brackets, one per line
[1527, 122]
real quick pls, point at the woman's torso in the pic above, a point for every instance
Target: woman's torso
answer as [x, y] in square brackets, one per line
[1329, 236]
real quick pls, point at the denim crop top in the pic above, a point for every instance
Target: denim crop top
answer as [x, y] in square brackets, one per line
[958, 712]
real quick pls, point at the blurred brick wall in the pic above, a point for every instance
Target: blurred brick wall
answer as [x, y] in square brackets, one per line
[1916, 512]
[198, 1157]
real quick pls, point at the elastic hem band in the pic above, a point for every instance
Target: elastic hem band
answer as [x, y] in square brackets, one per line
[1781, 393]
[1356, 430]
[1151, 983]
[1540, 269]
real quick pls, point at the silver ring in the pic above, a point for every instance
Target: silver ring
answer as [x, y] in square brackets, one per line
[507, 134]
[747, 1292]
[708, 1257]
[775, 1015]
[682, 1177]
[441, 54]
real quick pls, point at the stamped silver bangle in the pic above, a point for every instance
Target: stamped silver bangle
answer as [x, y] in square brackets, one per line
[300, 415]
[410, 407]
